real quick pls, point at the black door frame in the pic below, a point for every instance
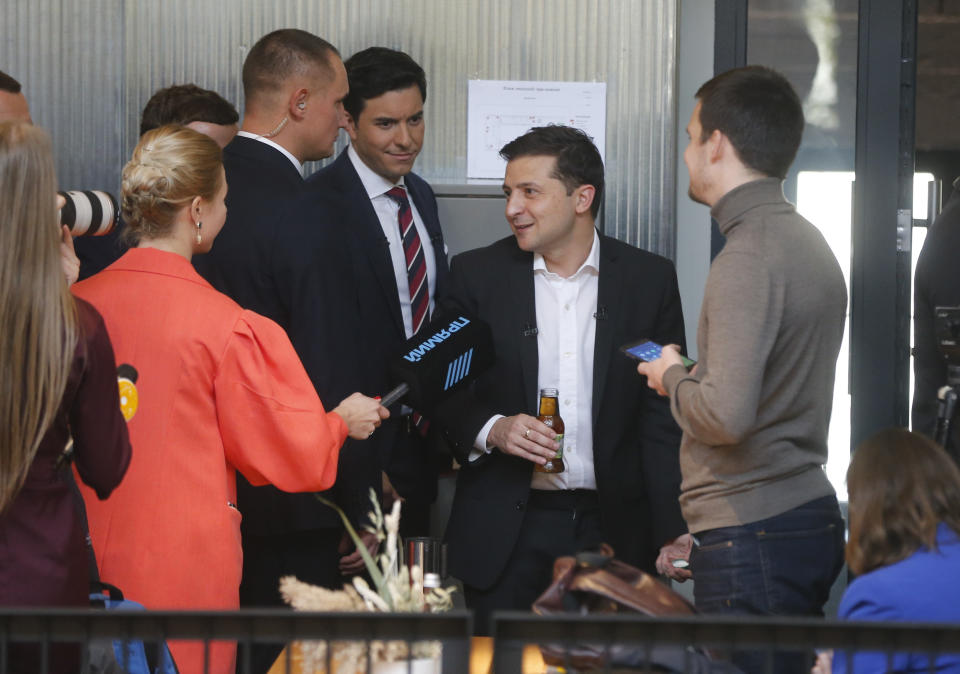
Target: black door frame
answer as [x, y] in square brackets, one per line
[884, 156]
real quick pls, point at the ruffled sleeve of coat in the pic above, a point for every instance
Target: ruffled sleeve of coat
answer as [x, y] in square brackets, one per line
[274, 427]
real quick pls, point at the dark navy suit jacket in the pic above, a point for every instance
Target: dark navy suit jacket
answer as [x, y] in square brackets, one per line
[368, 331]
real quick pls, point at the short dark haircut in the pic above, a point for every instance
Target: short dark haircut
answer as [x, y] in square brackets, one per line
[282, 53]
[186, 103]
[578, 161]
[757, 109]
[902, 486]
[377, 70]
[8, 84]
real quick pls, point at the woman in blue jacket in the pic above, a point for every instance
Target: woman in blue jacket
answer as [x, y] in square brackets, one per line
[903, 547]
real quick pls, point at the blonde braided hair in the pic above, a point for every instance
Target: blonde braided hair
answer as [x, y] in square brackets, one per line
[170, 166]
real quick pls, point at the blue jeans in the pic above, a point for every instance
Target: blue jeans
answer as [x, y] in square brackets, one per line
[783, 565]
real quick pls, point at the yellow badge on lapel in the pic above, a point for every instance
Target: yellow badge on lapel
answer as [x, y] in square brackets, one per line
[129, 398]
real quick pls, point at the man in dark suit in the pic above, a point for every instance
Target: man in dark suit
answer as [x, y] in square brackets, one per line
[294, 84]
[202, 110]
[560, 299]
[385, 260]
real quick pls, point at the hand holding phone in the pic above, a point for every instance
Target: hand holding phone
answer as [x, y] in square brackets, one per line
[647, 351]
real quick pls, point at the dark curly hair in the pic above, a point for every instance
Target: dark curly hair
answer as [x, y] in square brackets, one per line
[578, 160]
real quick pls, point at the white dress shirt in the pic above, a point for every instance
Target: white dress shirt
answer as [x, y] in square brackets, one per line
[387, 211]
[267, 141]
[566, 331]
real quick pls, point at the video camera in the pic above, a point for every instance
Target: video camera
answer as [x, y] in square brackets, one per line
[946, 326]
[946, 322]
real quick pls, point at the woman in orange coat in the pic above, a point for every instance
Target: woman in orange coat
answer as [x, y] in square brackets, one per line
[217, 389]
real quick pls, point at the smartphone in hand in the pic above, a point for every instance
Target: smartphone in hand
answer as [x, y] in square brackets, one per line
[646, 350]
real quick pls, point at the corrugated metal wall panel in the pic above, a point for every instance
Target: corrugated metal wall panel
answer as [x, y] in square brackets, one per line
[68, 55]
[89, 66]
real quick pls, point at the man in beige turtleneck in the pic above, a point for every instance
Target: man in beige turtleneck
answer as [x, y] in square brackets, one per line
[767, 534]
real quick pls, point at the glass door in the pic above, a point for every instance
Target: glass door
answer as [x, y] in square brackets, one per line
[852, 63]
[814, 44]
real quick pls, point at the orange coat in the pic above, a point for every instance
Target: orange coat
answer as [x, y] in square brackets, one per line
[220, 389]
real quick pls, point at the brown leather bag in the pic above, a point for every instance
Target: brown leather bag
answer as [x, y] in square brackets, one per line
[595, 582]
[598, 583]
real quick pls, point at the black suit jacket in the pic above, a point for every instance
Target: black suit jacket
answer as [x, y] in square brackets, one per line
[635, 440]
[261, 182]
[266, 264]
[361, 291]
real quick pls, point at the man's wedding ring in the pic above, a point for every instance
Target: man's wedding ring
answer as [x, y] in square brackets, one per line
[526, 434]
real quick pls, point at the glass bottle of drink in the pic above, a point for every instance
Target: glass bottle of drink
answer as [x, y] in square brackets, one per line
[550, 415]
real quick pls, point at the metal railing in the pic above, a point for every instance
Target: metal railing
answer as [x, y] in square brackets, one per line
[86, 626]
[690, 637]
[718, 634]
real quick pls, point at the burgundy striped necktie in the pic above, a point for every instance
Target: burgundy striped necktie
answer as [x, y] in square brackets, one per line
[416, 260]
[416, 276]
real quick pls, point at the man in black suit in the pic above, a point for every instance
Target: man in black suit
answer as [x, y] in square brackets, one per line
[385, 260]
[560, 299]
[294, 84]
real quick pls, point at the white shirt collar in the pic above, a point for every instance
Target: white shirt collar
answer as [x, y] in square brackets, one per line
[374, 183]
[267, 141]
[592, 262]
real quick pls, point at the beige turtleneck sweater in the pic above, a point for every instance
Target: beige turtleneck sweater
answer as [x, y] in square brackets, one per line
[755, 414]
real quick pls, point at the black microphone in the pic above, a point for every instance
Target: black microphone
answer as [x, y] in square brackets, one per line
[394, 394]
[601, 313]
[448, 354]
[529, 330]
